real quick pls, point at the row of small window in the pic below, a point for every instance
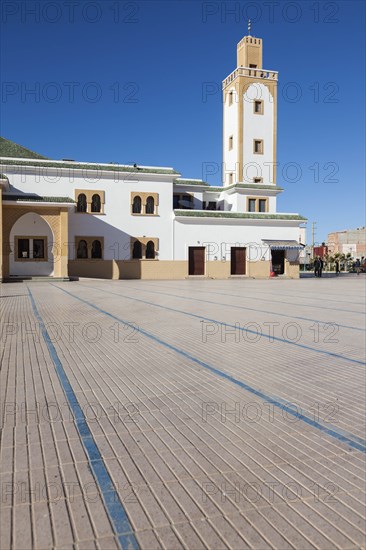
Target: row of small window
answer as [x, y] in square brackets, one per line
[258, 145]
[92, 248]
[89, 202]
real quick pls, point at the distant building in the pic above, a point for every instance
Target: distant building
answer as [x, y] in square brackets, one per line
[351, 241]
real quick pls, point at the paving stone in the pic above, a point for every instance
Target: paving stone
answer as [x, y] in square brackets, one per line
[42, 526]
[183, 472]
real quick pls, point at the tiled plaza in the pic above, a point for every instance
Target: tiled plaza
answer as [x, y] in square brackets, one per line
[183, 414]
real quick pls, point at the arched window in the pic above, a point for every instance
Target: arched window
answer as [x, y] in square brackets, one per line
[96, 203]
[150, 205]
[150, 250]
[82, 251]
[136, 205]
[137, 250]
[81, 205]
[96, 251]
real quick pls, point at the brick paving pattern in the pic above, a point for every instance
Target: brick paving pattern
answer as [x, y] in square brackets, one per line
[226, 414]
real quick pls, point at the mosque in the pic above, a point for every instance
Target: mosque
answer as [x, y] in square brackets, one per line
[65, 218]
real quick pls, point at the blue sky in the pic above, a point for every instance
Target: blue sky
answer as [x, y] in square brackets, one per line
[140, 82]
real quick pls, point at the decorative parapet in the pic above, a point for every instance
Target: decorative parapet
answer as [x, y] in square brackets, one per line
[252, 73]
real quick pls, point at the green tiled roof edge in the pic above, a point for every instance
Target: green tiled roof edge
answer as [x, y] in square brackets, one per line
[236, 185]
[191, 182]
[238, 215]
[81, 166]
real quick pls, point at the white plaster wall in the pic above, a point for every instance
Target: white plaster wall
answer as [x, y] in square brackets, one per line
[117, 224]
[230, 129]
[258, 127]
[231, 202]
[272, 205]
[29, 225]
[219, 237]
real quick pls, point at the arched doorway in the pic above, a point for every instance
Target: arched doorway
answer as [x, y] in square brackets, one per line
[31, 247]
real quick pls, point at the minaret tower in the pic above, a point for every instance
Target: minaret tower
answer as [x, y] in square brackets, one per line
[250, 118]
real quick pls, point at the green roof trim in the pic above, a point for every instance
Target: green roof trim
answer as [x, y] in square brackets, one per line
[11, 149]
[36, 198]
[191, 182]
[216, 189]
[236, 215]
[247, 186]
[102, 168]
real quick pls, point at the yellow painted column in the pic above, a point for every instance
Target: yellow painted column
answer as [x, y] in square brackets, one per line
[64, 244]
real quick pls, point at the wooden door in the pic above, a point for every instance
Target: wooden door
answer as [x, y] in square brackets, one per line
[196, 260]
[238, 257]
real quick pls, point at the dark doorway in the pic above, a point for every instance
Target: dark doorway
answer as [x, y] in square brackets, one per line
[278, 261]
[196, 263]
[238, 260]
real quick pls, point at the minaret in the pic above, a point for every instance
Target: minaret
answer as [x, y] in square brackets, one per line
[250, 118]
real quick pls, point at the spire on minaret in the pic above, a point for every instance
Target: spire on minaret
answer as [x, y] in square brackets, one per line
[249, 26]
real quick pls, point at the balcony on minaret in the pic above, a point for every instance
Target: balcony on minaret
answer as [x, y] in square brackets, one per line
[248, 71]
[249, 61]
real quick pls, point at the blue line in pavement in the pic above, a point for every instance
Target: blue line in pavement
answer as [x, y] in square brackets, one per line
[276, 301]
[245, 308]
[113, 505]
[341, 435]
[242, 329]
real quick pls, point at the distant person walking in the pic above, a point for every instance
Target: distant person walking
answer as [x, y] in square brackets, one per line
[321, 265]
[337, 267]
[358, 266]
[316, 267]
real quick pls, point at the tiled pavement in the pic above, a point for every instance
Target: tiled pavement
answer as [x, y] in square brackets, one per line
[209, 414]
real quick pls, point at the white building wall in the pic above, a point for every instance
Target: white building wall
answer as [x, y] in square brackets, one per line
[258, 126]
[117, 224]
[220, 236]
[230, 123]
[272, 205]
